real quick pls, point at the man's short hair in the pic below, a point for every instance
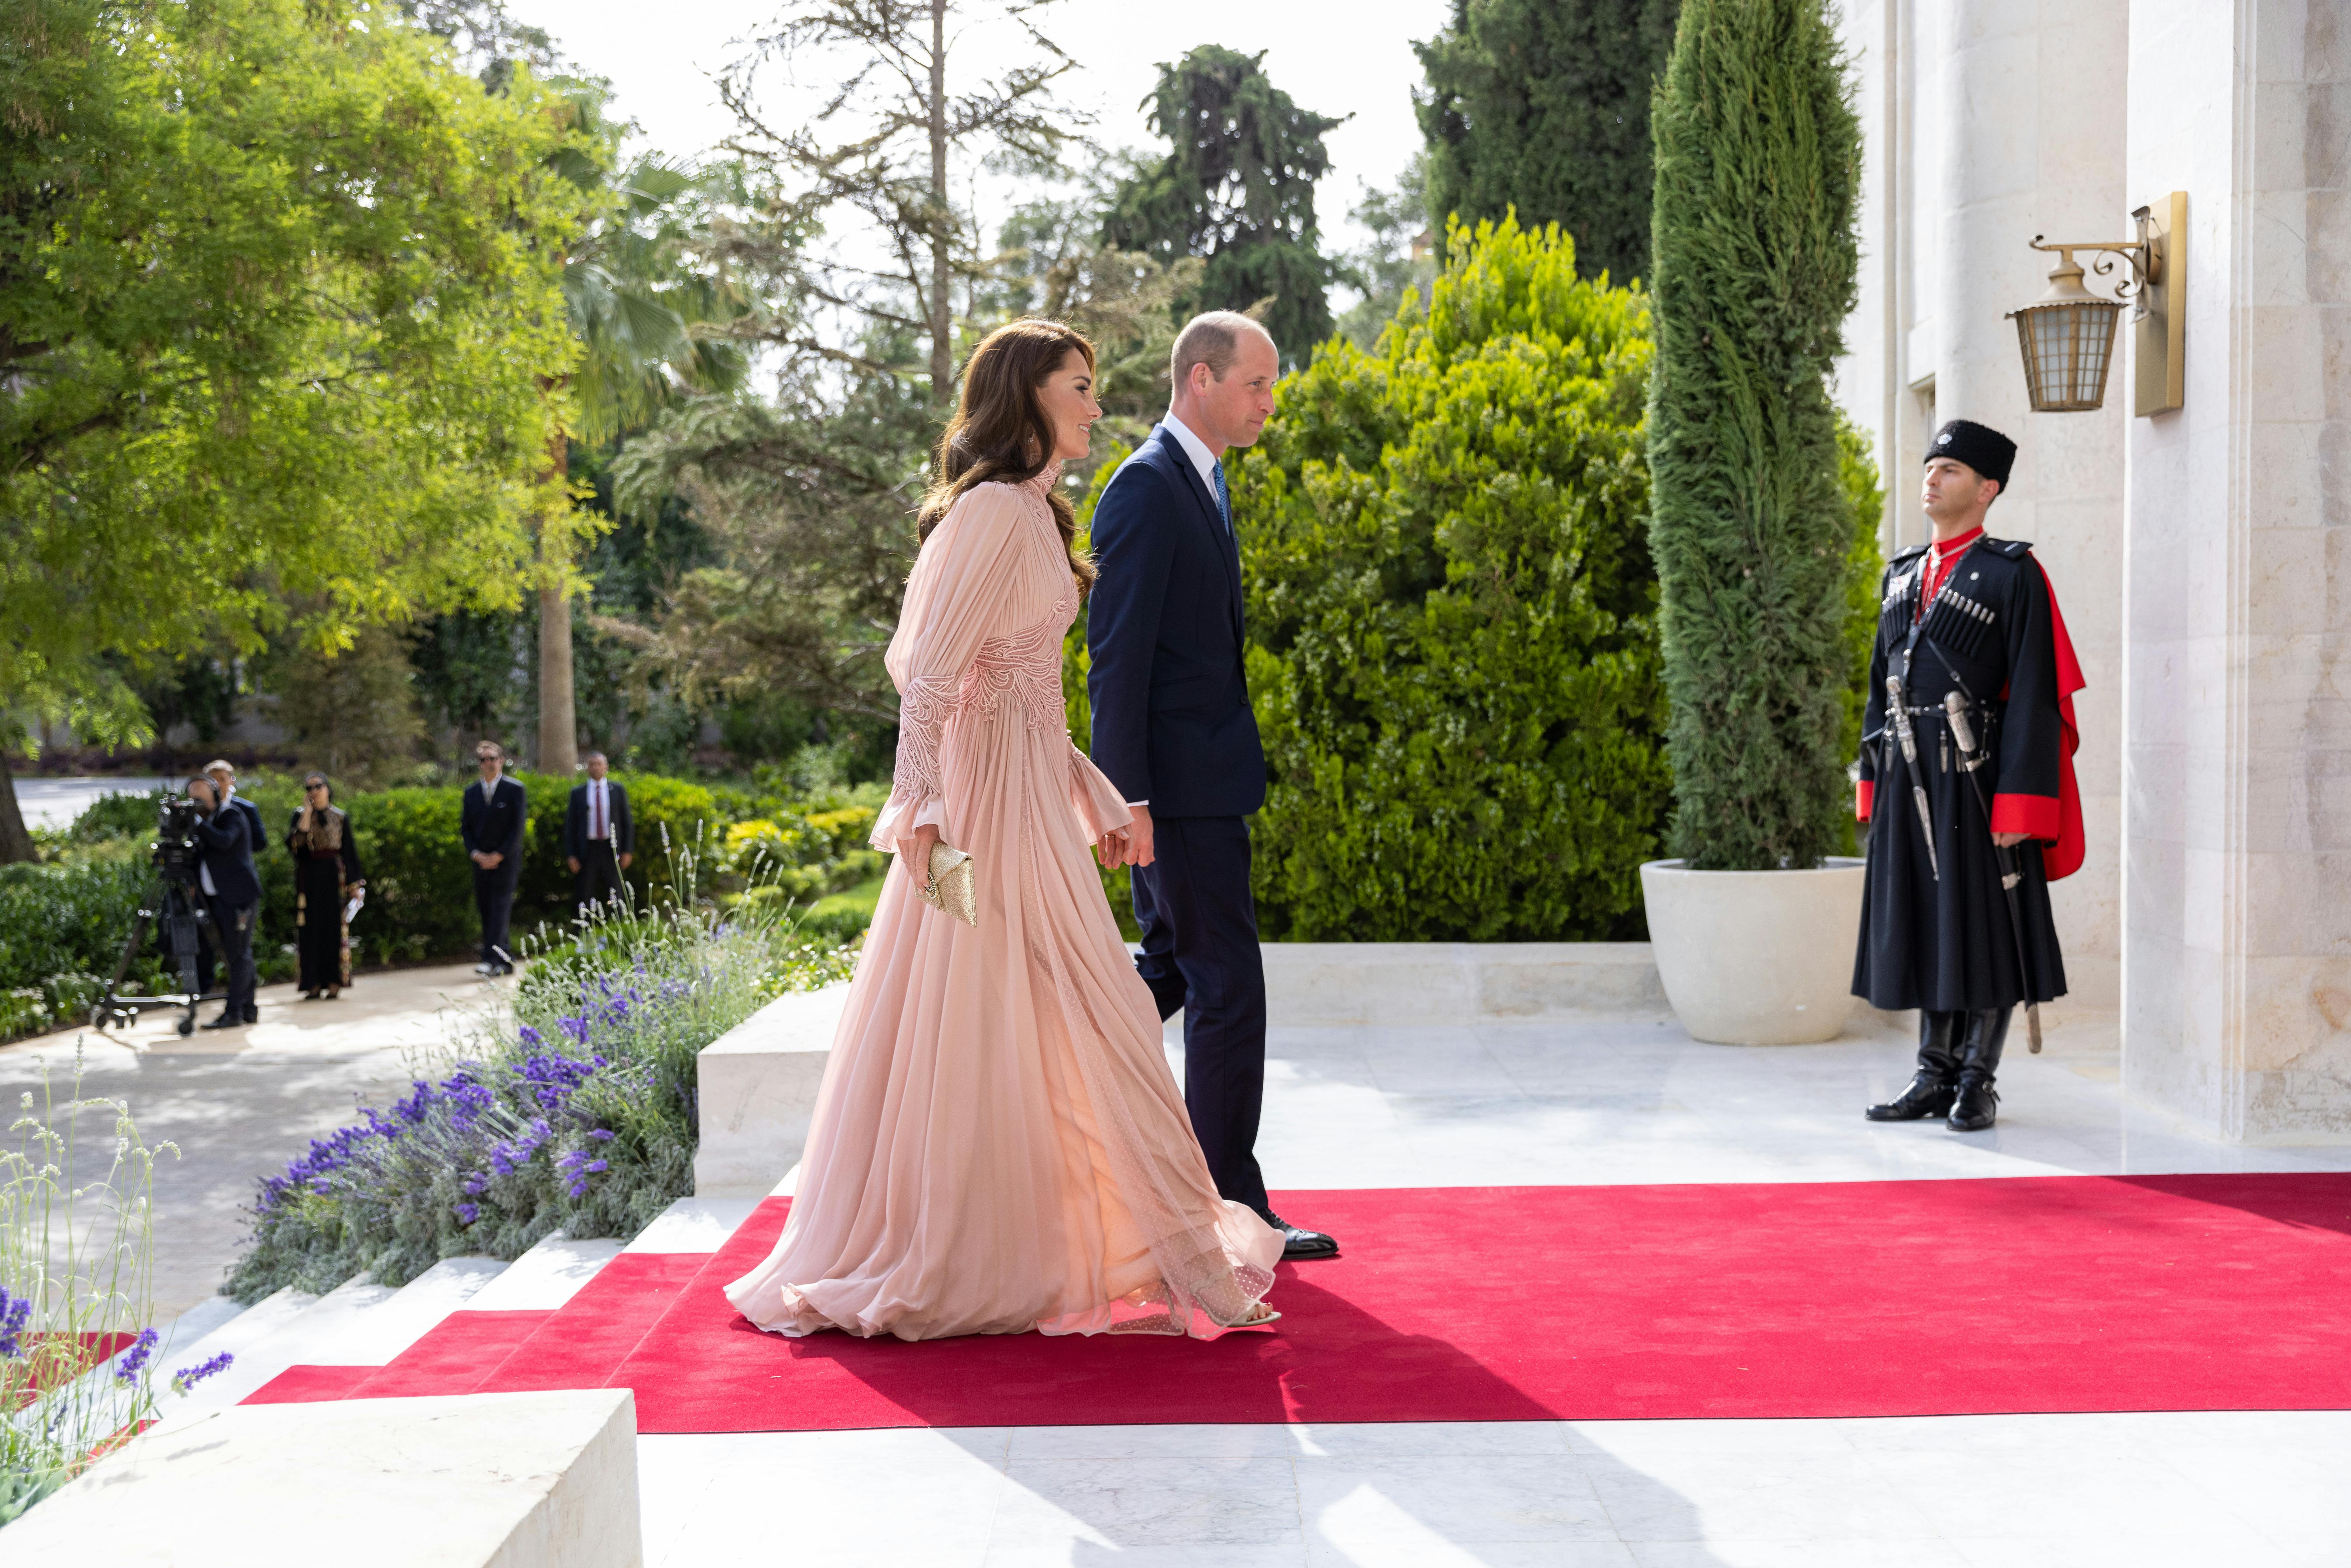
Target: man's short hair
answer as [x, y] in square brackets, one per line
[588, 757]
[219, 765]
[492, 747]
[189, 786]
[1214, 341]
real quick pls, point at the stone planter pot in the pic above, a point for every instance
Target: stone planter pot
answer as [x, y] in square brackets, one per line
[1756, 957]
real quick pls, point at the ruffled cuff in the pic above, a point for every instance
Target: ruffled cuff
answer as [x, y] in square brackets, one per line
[1094, 798]
[902, 815]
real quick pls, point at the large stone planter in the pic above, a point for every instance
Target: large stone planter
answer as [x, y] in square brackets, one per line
[1756, 957]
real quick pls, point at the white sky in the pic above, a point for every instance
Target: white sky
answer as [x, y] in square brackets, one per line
[1334, 57]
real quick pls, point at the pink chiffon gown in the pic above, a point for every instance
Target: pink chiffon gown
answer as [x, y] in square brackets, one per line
[998, 1144]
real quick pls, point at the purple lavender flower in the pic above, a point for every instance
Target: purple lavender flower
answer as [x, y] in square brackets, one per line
[14, 1311]
[601, 1134]
[134, 1361]
[475, 1185]
[529, 1037]
[187, 1377]
[469, 1212]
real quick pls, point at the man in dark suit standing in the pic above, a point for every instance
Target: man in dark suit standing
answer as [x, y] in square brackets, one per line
[496, 810]
[599, 839]
[1174, 731]
[232, 891]
[223, 778]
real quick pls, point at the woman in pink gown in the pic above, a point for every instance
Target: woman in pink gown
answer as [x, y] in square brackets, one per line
[998, 1144]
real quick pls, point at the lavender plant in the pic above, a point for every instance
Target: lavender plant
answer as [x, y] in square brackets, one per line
[77, 1343]
[570, 1106]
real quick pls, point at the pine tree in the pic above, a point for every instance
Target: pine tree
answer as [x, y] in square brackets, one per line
[1758, 159]
[1237, 189]
[1543, 106]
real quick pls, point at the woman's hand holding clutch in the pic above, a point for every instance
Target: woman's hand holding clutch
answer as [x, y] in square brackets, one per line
[914, 852]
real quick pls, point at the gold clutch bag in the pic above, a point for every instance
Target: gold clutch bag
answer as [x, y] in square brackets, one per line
[950, 887]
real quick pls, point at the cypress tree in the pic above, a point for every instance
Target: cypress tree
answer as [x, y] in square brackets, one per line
[1542, 106]
[1758, 162]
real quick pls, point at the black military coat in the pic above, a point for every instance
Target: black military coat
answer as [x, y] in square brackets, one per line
[1937, 933]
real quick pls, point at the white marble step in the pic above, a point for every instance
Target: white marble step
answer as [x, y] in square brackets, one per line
[695, 1225]
[546, 1277]
[307, 1337]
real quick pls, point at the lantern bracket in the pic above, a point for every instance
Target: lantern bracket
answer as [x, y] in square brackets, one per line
[2144, 255]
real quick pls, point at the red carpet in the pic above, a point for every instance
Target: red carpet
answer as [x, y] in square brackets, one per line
[2194, 1292]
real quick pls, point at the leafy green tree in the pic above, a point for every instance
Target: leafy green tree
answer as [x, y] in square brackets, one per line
[1543, 106]
[1237, 188]
[1759, 162]
[653, 320]
[274, 337]
[1395, 260]
[1451, 612]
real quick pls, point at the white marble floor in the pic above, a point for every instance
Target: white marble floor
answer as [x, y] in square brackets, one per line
[1603, 1100]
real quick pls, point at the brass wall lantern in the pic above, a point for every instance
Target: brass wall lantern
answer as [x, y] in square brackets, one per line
[2068, 334]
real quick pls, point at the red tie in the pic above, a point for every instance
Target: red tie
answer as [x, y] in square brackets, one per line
[596, 818]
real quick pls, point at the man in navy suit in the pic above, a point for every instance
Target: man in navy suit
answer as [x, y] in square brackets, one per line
[232, 889]
[495, 808]
[1174, 731]
[223, 778]
[600, 838]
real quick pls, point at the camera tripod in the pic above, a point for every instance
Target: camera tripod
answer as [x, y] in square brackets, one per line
[173, 906]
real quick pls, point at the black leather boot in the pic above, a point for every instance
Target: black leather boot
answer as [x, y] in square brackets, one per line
[1933, 1086]
[1987, 1031]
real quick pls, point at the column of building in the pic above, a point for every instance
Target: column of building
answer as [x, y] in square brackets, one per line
[2237, 935]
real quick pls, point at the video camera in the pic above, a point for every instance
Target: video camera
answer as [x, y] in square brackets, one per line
[173, 909]
[174, 850]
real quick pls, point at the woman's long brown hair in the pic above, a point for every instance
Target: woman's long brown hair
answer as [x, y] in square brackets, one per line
[1000, 433]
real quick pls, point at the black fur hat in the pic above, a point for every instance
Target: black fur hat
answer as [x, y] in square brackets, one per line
[1979, 446]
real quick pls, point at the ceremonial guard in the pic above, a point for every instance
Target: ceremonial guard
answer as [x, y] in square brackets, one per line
[1967, 784]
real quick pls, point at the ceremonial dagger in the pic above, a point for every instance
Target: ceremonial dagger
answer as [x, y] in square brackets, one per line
[1955, 708]
[1902, 732]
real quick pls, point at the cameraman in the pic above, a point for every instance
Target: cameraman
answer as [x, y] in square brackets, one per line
[232, 889]
[223, 778]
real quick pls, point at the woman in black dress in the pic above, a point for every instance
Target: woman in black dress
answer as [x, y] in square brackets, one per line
[326, 873]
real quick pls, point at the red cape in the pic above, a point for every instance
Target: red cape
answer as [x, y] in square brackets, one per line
[2065, 858]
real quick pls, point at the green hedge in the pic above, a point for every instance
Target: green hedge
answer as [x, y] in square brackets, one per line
[1452, 614]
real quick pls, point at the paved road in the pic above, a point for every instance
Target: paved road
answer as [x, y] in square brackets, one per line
[55, 802]
[241, 1103]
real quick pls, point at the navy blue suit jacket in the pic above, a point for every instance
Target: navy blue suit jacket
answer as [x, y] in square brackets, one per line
[494, 824]
[224, 846]
[1172, 723]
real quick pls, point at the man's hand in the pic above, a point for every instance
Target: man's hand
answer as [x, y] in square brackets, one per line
[487, 859]
[625, 858]
[1138, 850]
[2009, 841]
[573, 862]
[914, 852]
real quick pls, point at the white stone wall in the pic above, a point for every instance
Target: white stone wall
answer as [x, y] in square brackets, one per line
[2238, 767]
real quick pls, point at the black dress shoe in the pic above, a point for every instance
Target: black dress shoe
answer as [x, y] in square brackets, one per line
[253, 1015]
[227, 1021]
[1299, 1242]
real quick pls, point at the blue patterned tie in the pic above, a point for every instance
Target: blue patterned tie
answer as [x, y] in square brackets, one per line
[1224, 498]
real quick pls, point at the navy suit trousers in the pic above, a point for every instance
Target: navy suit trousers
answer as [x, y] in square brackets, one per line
[1200, 954]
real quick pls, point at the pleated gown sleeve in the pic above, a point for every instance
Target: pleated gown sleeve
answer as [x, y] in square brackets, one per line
[962, 592]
